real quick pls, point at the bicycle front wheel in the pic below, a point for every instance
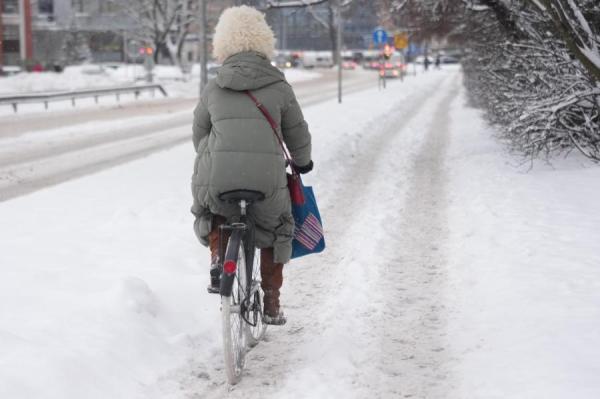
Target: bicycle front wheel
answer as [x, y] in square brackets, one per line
[235, 332]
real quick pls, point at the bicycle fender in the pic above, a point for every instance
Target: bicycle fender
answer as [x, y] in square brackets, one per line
[231, 255]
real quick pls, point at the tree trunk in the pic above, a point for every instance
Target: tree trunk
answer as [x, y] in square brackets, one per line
[569, 37]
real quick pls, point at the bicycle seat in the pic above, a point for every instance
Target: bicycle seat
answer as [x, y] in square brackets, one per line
[235, 196]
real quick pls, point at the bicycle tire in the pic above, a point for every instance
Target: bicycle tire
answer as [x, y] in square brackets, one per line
[255, 333]
[235, 329]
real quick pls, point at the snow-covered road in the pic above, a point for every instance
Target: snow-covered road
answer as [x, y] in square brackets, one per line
[102, 281]
[40, 150]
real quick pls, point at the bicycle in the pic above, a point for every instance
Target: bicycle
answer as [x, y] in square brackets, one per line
[241, 294]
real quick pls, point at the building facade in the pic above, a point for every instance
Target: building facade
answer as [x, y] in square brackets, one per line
[51, 32]
[62, 32]
[71, 31]
[308, 28]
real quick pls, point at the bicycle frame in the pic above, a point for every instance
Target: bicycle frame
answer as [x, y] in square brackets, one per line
[240, 230]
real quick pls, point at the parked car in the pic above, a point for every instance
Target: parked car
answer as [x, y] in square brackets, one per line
[8, 70]
[281, 61]
[349, 65]
[317, 59]
[372, 65]
[420, 60]
[448, 59]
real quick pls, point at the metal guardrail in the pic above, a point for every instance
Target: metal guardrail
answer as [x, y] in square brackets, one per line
[73, 95]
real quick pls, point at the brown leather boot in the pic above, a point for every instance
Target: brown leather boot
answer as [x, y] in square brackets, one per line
[272, 279]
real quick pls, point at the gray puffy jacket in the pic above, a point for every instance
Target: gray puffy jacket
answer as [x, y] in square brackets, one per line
[236, 148]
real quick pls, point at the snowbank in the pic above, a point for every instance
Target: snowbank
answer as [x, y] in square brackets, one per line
[94, 76]
[102, 288]
[300, 75]
[524, 270]
[176, 83]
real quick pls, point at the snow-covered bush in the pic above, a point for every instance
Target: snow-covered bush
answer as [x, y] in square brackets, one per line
[522, 68]
[534, 65]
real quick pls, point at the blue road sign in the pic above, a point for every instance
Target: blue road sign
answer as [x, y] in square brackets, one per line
[380, 36]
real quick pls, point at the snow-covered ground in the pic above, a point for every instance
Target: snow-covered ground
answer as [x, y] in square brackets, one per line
[176, 84]
[524, 270]
[450, 271]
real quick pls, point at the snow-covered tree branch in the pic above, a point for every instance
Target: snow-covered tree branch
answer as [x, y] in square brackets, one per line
[532, 64]
[582, 37]
[530, 75]
[302, 3]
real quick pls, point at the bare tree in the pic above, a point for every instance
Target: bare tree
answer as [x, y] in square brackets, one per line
[294, 3]
[329, 23]
[163, 23]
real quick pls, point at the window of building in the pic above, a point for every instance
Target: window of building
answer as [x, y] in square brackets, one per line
[10, 43]
[46, 6]
[10, 32]
[11, 46]
[109, 7]
[77, 6]
[10, 6]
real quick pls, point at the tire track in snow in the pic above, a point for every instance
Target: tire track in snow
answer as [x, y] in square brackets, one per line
[416, 276]
[330, 311]
[394, 346]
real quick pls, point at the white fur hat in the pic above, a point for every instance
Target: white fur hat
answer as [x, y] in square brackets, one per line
[240, 29]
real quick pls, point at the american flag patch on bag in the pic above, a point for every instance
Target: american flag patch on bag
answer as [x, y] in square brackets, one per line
[310, 232]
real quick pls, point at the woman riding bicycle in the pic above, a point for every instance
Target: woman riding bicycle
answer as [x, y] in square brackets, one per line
[236, 148]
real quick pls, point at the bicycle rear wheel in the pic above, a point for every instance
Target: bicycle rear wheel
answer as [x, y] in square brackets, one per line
[235, 329]
[256, 332]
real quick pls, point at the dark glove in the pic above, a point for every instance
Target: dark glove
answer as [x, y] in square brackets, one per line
[304, 169]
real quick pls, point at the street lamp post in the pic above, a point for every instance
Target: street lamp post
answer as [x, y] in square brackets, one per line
[1, 36]
[340, 27]
[203, 45]
[26, 45]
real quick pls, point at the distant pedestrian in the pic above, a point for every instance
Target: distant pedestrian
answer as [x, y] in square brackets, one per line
[438, 61]
[426, 62]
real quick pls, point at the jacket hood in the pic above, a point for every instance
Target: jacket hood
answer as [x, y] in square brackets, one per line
[247, 70]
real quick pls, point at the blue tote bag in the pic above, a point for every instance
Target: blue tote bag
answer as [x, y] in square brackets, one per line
[308, 233]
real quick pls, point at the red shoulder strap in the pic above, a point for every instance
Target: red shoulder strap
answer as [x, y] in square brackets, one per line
[273, 124]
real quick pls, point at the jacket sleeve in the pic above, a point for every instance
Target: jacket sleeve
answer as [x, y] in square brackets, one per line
[295, 131]
[202, 123]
